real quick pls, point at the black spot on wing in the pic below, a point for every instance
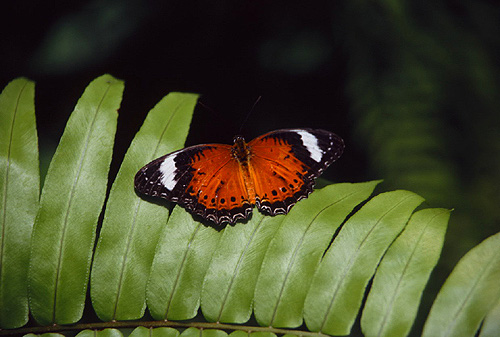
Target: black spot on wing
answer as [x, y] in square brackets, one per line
[283, 206]
[221, 215]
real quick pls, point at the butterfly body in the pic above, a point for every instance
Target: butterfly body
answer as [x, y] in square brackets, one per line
[222, 183]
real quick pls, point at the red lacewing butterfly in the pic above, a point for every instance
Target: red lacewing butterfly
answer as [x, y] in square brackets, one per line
[222, 182]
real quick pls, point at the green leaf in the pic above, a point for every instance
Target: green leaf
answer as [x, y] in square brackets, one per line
[179, 265]
[469, 293]
[193, 332]
[296, 249]
[72, 198]
[391, 306]
[339, 283]
[156, 332]
[240, 333]
[262, 334]
[132, 225]
[229, 284]
[491, 324]
[100, 333]
[19, 193]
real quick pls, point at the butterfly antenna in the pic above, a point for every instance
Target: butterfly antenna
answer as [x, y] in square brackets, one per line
[249, 113]
[206, 107]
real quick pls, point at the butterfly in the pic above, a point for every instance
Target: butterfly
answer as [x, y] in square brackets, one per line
[222, 183]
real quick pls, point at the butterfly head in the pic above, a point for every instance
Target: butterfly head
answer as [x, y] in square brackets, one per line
[238, 139]
[240, 149]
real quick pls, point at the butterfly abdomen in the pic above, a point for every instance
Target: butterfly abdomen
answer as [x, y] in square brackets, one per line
[241, 152]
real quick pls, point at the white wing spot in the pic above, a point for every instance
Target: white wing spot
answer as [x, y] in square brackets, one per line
[167, 169]
[311, 143]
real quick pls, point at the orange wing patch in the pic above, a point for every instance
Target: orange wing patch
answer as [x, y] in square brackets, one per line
[280, 178]
[217, 189]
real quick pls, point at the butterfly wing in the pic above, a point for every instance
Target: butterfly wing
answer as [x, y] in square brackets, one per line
[204, 179]
[285, 164]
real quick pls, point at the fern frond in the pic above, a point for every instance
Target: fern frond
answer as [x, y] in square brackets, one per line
[311, 266]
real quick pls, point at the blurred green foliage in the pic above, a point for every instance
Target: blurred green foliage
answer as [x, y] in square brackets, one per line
[423, 84]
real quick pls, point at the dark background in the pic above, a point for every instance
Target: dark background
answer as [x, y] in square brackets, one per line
[413, 87]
